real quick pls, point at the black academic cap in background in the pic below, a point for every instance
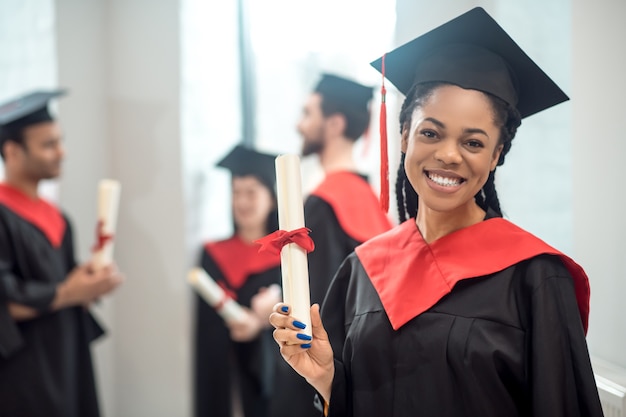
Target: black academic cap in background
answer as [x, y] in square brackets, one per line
[473, 52]
[344, 91]
[28, 109]
[242, 161]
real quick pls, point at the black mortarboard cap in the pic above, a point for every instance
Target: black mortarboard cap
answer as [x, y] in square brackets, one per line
[345, 91]
[27, 110]
[474, 52]
[242, 161]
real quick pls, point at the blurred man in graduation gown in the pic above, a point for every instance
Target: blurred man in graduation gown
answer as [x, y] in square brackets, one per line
[45, 324]
[342, 211]
[240, 354]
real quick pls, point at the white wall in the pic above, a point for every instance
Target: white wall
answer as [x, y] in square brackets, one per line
[84, 117]
[598, 150]
[120, 59]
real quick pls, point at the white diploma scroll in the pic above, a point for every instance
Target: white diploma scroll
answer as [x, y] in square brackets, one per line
[108, 204]
[215, 296]
[293, 258]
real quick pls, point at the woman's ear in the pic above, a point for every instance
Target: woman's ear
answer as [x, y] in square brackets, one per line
[404, 144]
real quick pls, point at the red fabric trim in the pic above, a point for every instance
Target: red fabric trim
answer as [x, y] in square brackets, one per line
[411, 276]
[38, 212]
[238, 260]
[355, 205]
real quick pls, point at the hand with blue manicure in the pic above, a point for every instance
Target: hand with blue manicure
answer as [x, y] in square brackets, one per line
[311, 357]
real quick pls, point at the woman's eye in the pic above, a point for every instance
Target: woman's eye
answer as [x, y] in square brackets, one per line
[474, 144]
[428, 134]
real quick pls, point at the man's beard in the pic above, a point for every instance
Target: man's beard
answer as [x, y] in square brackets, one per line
[45, 171]
[310, 147]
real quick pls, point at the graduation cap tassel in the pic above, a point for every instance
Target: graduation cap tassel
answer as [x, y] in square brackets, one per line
[384, 157]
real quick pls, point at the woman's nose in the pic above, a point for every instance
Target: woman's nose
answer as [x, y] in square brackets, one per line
[448, 153]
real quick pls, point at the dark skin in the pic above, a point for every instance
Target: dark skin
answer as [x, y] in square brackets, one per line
[39, 156]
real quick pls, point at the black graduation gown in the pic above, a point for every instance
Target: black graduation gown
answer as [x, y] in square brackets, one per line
[45, 363]
[215, 354]
[510, 343]
[342, 213]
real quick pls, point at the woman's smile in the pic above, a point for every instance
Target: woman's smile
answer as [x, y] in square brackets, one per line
[443, 181]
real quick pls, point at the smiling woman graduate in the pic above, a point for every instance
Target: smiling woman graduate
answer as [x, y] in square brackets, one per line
[456, 311]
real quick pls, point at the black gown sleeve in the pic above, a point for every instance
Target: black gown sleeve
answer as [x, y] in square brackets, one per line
[21, 290]
[561, 375]
[332, 245]
[33, 294]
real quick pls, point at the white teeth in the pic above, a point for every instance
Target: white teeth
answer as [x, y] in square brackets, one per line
[444, 181]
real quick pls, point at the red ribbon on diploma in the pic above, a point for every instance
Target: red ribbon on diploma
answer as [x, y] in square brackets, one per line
[274, 242]
[101, 237]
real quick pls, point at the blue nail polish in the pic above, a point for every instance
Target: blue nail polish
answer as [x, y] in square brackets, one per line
[299, 324]
[303, 336]
[305, 345]
[284, 309]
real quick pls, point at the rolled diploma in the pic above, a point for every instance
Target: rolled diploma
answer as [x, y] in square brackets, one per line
[108, 203]
[293, 259]
[214, 295]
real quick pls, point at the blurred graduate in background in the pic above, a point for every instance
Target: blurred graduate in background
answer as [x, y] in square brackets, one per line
[240, 354]
[45, 325]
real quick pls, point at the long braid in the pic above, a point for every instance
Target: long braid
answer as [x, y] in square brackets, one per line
[411, 199]
[405, 194]
[491, 196]
[509, 119]
[400, 201]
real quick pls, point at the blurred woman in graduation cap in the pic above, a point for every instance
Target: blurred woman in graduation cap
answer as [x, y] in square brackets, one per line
[240, 353]
[45, 324]
[456, 311]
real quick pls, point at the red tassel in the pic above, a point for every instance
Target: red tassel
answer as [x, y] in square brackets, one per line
[384, 157]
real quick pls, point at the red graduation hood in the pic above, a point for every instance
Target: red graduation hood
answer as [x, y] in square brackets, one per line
[238, 260]
[355, 205]
[37, 212]
[411, 275]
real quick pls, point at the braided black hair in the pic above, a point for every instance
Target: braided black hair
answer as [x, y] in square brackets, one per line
[505, 115]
